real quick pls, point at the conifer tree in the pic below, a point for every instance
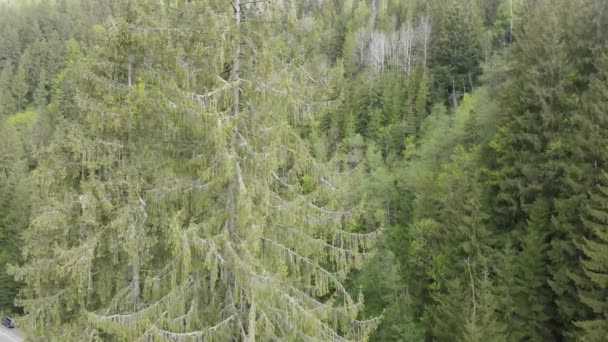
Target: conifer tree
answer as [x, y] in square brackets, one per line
[447, 318]
[483, 323]
[20, 86]
[41, 93]
[12, 45]
[7, 100]
[475, 238]
[182, 204]
[579, 145]
[421, 99]
[594, 291]
[456, 52]
[417, 89]
[505, 289]
[530, 160]
[467, 243]
[533, 294]
[13, 207]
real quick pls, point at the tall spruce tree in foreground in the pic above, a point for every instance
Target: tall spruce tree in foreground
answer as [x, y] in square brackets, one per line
[537, 107]
[594, 291]
[592, 285]
[183, 204]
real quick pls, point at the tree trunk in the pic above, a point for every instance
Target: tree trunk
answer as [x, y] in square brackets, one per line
[251, 327]
[237, 53]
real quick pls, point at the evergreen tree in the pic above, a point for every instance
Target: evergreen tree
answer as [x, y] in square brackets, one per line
[533, 297]
[225, 227]
[484, 324]
[530, 161]
[41, 93]
[476, 240]
[467, 243]
[505, 289]
[214, 170]
[584, 130]
[457, 52]
[447, 318]
[20, 86]
[13, 208]
[7, 101]
[64, 85]
[421, 101]
[11, 42]
[524, 298]
[417, 88]
[594, 291]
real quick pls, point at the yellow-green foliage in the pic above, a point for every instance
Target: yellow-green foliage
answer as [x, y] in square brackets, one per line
[168, 212]
[23, 121]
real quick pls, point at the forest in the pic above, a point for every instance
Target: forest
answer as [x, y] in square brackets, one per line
[304, 170]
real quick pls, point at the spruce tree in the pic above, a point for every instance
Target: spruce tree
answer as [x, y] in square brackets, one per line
[7, 100]
[588, 141]
[41, 93]
[467, 245]
[447, 318]
[12, 45]
[183, 204]
[13, 208]
[417, 89]
[420, 103]
[594, 291]
[533, 295]
[457, 53]
[20, 86]
[580, 144]
[523, 296]
[505, 289]
[483, 323]
[530, 158]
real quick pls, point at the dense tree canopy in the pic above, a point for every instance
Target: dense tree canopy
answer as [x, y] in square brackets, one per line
[349, 170]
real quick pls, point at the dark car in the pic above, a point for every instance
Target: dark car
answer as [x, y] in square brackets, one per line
[8, 322]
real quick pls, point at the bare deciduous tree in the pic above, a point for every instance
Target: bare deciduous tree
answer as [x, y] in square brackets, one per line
[402, 49]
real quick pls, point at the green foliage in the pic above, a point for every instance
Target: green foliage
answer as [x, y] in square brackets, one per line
[197, 177]
[24, 119]
[7, 101]
[594, 289]
[484, 324]
[544, 150]
[504, 289]
[223, 227]
[41, 94]
[457, 53]
[14, 207]
[533, 297]
[19, 85]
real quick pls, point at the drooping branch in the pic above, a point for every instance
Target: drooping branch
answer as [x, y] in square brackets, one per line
[203, 99]
[194, 335]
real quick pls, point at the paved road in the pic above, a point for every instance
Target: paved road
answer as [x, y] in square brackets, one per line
[9, 335]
